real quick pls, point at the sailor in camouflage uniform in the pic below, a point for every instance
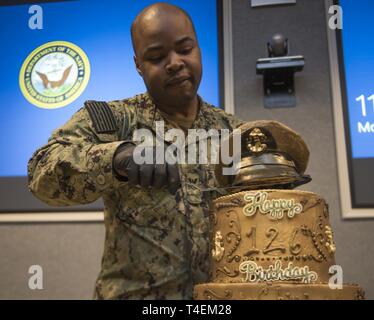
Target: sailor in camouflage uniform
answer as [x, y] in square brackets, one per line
[157, 241]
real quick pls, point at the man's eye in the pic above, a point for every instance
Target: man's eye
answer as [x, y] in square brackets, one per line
[186, 50]
[155, 59]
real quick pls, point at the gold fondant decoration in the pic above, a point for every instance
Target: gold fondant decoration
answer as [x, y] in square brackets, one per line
[330, 245]
[275, 209]
[233, 236]
[211, 295]
[255, 273]
[219, 250]
[256, 141]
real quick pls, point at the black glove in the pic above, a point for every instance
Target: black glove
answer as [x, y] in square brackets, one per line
[146, 175]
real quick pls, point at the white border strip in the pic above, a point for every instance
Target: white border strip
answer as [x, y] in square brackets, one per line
[345, 193]
[51, 217]
[228, 60]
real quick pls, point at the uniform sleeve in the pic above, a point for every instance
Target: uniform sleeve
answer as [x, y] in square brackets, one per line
[75, 166]
[234, 121]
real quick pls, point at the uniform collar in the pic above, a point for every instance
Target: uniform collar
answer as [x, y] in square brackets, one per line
[148, 114]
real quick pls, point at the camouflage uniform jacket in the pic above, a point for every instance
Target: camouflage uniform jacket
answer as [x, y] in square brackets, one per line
[156, 244]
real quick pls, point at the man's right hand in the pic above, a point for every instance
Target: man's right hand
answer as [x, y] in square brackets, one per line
[146, 175]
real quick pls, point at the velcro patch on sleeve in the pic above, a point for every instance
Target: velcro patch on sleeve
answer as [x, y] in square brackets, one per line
[102, 116]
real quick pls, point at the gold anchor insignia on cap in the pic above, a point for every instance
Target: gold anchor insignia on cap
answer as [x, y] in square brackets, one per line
[256, 141]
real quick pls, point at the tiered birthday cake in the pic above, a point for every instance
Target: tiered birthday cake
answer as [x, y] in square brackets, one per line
[272, 243]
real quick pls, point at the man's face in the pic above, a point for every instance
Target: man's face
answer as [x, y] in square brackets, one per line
[168, 58]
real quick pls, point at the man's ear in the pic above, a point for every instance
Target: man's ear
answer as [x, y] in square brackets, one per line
[137, 66]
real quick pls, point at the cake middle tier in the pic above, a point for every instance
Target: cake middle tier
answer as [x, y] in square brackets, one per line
[271, 235]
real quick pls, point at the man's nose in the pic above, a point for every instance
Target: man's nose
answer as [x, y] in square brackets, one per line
[175, 63]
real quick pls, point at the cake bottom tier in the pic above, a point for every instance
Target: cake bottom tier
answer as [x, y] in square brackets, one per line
[276, 291]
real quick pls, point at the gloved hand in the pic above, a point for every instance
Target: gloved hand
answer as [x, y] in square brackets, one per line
[146, 175]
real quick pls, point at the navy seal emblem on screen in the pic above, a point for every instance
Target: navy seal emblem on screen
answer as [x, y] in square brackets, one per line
[54, 74]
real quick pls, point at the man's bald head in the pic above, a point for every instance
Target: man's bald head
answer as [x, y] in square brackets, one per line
[152, 14]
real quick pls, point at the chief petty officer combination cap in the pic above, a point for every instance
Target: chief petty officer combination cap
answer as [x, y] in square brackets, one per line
[272, 156]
